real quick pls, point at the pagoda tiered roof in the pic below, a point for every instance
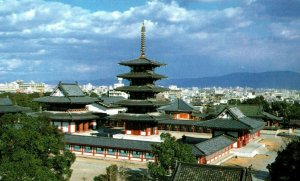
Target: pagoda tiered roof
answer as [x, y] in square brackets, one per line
[6, 106]
[144, 88]
[142, 61]
[147, 102]
[67, 93]
[142, 75]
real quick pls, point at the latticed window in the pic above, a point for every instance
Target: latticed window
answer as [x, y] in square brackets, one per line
[110, 151]
[123, 152]
[88, 149]
[136, 154]
[149, 155]
[77, 148]
[100, 150]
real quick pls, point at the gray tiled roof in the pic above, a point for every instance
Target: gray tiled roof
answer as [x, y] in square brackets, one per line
[66, 100]
[178, 105]
[65, 116]
[271, 116]
[179, 122]
[137, 117]
[253, 123]
[143, 75]
[215, 144]
[229, 124]
[5, 102]
[236, 112]
[238, 121]
[109, 142]
[13, 109]
[6, 106]
[111, 100]
[196, 172]
[147, 102]
[72, 95]
[144, 88]
[141, 61]
[71, 89]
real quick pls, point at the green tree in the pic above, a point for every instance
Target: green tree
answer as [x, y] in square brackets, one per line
[32, 149]
[93, 94]
[167, 153]
[287, 163]
[295, 111]
[23, 99]
[111, 174]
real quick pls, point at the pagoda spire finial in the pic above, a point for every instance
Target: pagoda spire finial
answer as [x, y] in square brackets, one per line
[143, 35]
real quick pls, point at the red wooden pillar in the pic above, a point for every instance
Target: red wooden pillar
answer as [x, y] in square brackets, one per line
[202, 160]
[80, 127]
[69, 127]
[239, 142]
[258, 133]
[85, 126]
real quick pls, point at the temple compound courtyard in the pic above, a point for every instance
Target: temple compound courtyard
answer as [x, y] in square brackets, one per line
[86, 168]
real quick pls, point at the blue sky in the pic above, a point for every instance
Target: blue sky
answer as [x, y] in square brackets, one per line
[85, 39]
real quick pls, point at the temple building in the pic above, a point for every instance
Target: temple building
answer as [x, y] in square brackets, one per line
[66, 107]
[7, 106]
[232, 122]
[106, 107]
[181, 117]
[179, 110]
[107, 147]
[141, 116]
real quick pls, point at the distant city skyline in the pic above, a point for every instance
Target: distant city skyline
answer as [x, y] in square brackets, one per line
[45, 40]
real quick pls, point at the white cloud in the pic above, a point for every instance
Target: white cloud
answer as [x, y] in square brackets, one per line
[83, 68]
[9, 65]
[289, 30]
[49, 36]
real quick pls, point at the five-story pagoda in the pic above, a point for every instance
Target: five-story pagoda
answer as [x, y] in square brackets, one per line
[141, 116]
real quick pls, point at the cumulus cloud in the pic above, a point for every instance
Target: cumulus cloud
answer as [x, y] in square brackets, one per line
[289, 30]
[62, 40]
[82, 68]
[8, 65]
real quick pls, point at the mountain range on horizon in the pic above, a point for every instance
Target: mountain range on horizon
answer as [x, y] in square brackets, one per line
[271, 79]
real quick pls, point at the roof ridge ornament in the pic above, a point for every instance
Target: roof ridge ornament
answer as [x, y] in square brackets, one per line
[143, 37]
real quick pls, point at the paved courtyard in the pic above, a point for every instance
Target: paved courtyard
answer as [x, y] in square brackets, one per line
[85, 169]
[259, 162]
